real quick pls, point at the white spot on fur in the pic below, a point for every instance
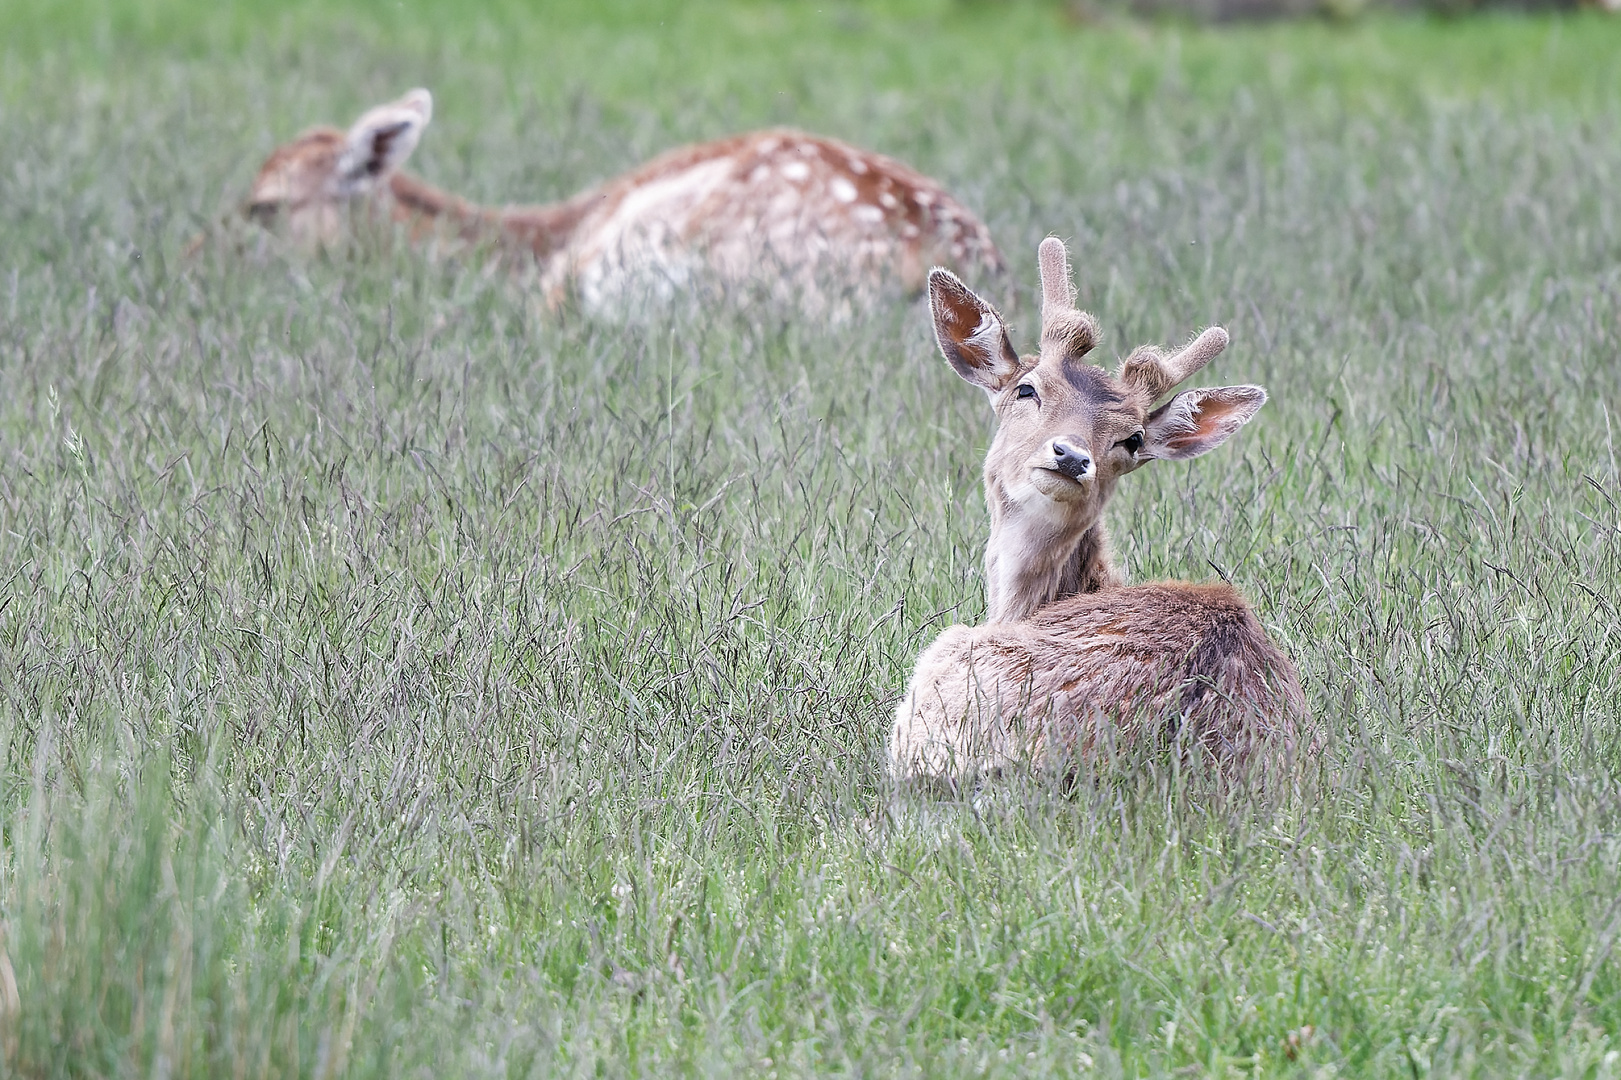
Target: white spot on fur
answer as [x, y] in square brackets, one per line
[843, 190]
[760, 174]
[887, 201]
[858, 166]
[796, 171]
[868, 213]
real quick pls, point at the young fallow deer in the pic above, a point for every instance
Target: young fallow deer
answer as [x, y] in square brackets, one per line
[1072, 660]
[777, 208]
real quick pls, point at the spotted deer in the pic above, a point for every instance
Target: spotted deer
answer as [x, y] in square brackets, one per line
[777, 208]
[1072, 660]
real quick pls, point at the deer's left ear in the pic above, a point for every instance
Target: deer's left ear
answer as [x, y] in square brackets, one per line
[381, 140]
[1197, 421]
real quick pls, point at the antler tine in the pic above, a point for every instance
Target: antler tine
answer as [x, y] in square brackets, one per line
[1065, 331]
[1196, 354]
[1150, 368]
[1057, 293]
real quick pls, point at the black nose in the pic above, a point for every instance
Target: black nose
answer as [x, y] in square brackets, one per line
[1070, 460]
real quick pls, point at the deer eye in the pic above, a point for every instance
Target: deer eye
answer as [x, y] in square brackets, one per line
[1132, 443]
[1026, 391]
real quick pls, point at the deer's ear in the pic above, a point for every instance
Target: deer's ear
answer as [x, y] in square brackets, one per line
[970, 333]
[1197, 421]
[381, 140]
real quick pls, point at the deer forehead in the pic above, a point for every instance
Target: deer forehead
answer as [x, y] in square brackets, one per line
[299, 169]
[1073, 395]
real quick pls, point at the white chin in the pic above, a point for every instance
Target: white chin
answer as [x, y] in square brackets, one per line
[1056, 486]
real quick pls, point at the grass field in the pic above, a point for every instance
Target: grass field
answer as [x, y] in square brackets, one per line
[397, 681]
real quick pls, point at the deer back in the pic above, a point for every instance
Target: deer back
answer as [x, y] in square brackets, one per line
[781, 208]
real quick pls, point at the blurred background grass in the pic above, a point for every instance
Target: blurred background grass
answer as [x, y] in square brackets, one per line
[659, 53]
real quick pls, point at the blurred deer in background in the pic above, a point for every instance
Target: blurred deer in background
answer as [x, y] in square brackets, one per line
[777, 208]
[1071, 660]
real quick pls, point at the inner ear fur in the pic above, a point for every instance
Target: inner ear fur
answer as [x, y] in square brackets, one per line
[1197, 421]
[972, 336]
[380, 141]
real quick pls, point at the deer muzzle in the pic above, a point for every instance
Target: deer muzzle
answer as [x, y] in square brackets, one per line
[1069, 459]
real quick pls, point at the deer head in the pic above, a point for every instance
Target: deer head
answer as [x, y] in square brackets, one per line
[308, 181]
[1067, 431]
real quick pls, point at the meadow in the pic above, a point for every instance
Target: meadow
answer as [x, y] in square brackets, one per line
[398, 679]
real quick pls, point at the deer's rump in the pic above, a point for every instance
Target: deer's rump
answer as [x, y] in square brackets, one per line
[1170, 663]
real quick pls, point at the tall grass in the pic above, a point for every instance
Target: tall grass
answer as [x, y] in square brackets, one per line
[398, 680]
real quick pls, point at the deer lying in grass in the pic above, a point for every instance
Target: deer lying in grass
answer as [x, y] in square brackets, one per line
[1071, 660]
[778, 208]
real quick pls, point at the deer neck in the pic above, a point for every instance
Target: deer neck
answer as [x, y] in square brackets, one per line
[543, 231]
[1032, 561]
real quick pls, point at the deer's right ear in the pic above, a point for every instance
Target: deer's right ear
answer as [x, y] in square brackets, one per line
[971, 333]
[381, 140]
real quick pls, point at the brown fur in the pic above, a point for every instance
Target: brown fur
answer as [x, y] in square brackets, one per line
[1070, 657]
[777, 207]
[1163, 663]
